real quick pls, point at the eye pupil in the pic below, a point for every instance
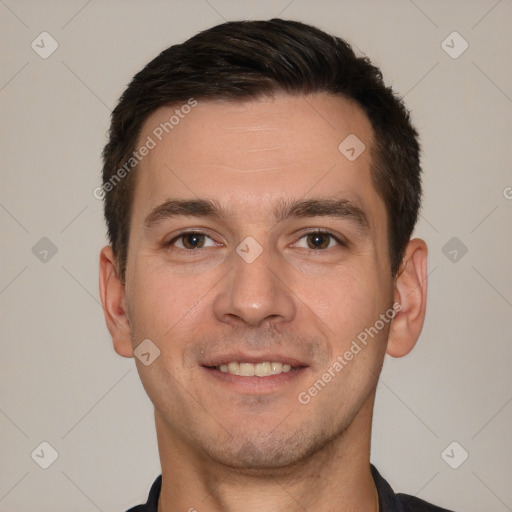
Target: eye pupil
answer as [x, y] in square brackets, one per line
[318, 241]
[193, 241]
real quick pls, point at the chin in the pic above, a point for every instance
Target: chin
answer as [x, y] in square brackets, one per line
[257, 452]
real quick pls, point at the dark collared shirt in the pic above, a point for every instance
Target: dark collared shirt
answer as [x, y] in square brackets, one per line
[388, 500]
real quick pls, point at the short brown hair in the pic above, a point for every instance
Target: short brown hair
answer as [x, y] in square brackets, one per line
[246, 59]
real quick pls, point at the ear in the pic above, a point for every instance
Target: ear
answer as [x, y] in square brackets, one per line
[411, 294]
[113, 298]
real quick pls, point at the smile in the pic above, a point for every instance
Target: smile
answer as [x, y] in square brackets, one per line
[263, 369]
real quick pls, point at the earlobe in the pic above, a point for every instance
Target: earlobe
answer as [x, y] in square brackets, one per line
[112, 292]
[411, 294]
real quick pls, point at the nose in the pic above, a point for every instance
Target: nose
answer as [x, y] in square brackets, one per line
[255, 293]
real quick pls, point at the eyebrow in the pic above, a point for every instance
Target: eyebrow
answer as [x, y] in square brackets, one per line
[336, 208]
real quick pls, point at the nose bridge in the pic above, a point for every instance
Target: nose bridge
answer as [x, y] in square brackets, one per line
[255, 291]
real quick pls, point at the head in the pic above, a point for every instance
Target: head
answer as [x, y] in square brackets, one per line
[261, 185]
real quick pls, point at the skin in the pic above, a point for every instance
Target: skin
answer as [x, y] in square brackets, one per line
[224, 446]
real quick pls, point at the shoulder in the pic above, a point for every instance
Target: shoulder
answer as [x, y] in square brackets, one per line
[152, 503]
[413, 504]
[391, 502]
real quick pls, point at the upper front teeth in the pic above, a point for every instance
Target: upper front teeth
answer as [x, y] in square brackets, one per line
[258, 369]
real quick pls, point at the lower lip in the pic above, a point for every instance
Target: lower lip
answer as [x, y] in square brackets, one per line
[255, 385]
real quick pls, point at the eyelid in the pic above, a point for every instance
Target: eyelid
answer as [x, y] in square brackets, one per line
[341, 241]
[181, 234]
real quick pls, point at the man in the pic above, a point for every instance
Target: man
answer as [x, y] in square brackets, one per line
[261, 186]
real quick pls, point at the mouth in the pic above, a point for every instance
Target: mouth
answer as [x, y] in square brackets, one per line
[255, 375]
[261, 369]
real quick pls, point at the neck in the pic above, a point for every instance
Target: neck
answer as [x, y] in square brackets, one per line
[335, 478]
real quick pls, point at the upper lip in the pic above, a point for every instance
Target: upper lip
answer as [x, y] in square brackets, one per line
[254, 359]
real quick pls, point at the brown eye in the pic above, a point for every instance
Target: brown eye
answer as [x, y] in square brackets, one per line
[318, 240]
[192, 240]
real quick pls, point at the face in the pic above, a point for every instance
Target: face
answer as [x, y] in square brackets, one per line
[258, 254]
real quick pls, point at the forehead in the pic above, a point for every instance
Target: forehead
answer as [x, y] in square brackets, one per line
[248, 154]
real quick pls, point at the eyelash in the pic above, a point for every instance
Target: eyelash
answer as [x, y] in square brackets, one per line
[170, 243]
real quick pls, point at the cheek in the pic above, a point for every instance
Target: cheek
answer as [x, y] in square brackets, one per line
[161, 381]
[347, 299]
[162, 301]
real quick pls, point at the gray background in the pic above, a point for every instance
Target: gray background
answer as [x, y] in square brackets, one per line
[61, 381]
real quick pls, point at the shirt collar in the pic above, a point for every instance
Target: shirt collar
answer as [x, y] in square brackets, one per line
[388, 501]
